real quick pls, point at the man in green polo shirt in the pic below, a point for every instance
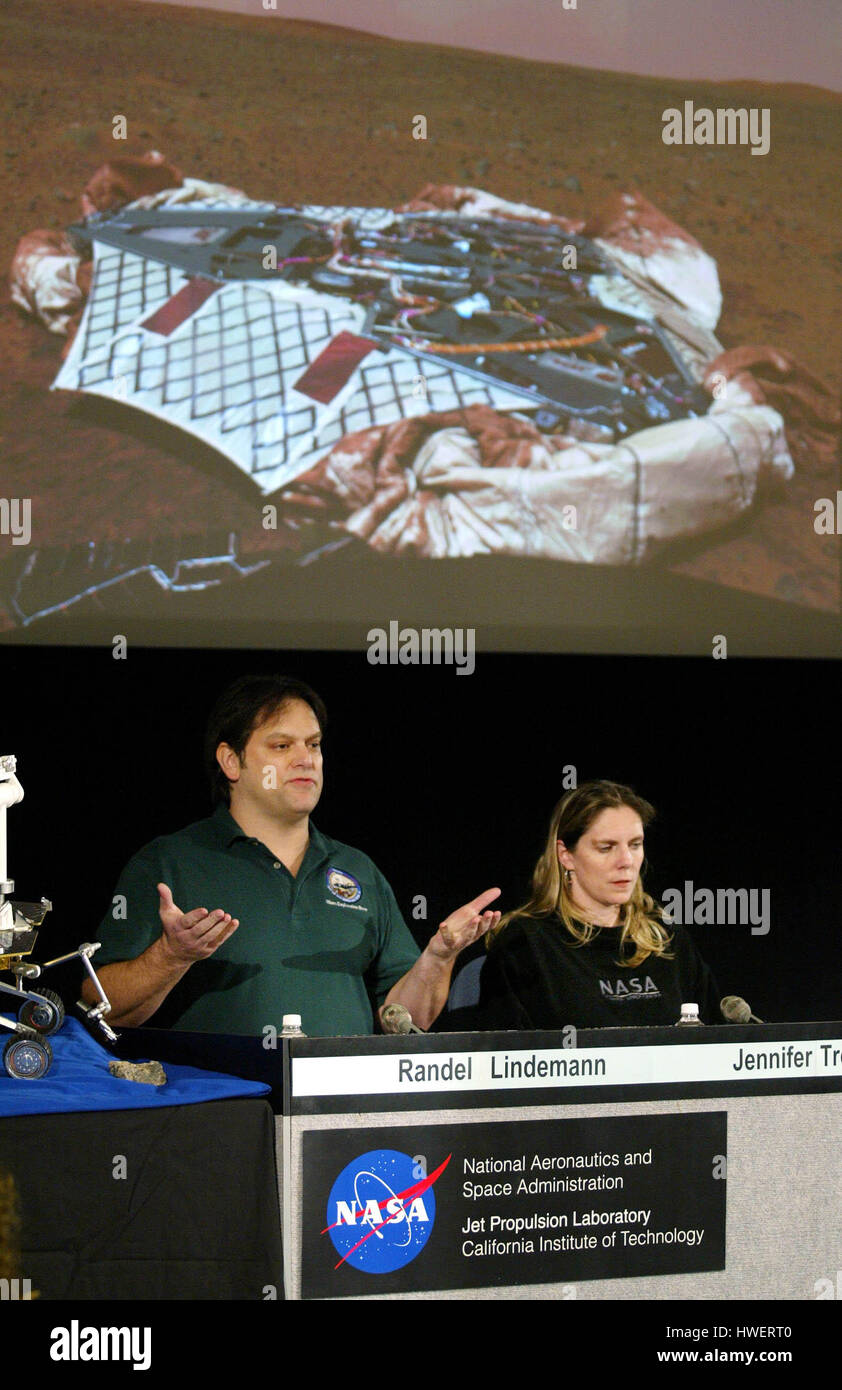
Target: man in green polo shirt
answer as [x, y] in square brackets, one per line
[308, 925]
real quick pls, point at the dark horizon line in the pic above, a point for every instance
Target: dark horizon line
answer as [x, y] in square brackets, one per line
[192, 7]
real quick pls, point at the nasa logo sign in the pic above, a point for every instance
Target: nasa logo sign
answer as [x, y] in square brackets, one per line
[343, 886]
[381, 1210]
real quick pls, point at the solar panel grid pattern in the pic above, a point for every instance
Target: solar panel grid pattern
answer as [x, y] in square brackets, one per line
[228, 374]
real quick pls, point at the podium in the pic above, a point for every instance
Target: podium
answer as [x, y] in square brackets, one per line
[631, 1163]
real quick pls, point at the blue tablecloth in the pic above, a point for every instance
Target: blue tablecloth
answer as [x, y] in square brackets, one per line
[79, 1080]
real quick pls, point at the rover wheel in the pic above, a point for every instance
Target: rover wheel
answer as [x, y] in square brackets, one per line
[46, 1016]
[28, 1059]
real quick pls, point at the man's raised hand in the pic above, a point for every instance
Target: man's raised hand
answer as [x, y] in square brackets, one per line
[195, 935]
[464, 926]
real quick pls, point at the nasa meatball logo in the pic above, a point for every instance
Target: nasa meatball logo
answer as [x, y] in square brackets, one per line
[381, 1210]
[343, 886]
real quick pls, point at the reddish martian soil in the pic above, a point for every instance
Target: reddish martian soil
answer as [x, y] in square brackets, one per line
[290, 112]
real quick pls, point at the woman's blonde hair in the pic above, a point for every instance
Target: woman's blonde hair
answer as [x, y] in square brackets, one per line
[643, 932]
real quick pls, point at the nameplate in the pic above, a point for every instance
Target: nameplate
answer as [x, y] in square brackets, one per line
[558, 1068]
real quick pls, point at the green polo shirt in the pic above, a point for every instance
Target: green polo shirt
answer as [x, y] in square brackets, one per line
[322, 944]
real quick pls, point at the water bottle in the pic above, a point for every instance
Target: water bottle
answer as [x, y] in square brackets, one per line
[291, 1026]
[689, 1017]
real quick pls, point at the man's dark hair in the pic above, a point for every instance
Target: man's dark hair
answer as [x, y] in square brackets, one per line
[241, 708]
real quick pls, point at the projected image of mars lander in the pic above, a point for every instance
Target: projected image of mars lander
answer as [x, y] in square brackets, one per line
[27, 1054]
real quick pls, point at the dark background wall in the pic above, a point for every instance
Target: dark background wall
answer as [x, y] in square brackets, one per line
[448, 781]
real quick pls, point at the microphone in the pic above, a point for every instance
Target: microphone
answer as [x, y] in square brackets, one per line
[397, 1019]
[736, 1010]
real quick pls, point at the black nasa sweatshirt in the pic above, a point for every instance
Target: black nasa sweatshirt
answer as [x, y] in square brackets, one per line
[537, 976]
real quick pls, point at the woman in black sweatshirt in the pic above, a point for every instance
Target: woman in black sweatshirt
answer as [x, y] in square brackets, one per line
[590, 947]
